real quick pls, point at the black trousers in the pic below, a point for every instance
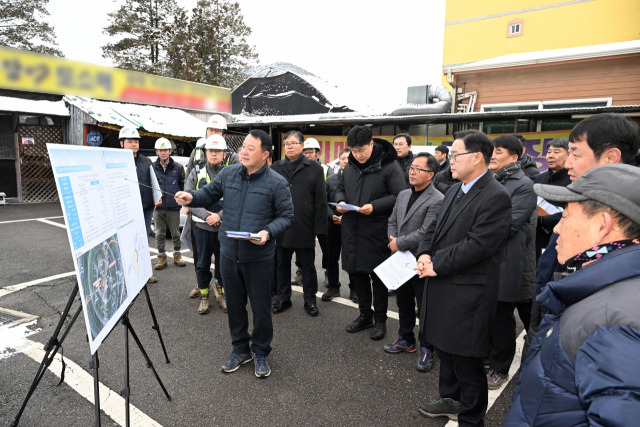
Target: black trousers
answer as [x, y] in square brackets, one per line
[407, 297]
[322, 240]
[250, 280]
[463, 379]
[524, 312]
[207, 244]
[306, 258]
[334, 247]
[503, 337]
[366, 283]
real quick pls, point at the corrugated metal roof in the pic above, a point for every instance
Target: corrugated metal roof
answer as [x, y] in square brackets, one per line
[157, 120]
[359, 118]
[30, 106]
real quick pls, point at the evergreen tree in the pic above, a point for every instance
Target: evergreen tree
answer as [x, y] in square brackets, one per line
[220, 36]
[22, 26]
[144, 28]
[182, 61]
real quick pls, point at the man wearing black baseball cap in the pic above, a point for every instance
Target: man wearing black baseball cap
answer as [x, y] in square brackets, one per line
[583, 365]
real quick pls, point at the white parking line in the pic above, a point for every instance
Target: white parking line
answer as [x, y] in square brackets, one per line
[30, 219]
[57, 224]
[13, 288]
[111, 403]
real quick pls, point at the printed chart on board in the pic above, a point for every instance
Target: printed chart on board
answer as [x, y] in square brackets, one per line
[102, 208]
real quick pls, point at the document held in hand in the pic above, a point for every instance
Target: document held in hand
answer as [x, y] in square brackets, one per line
[243, 235]
[346, 206]
[397, 269]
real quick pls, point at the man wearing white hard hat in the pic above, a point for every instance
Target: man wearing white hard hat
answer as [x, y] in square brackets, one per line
[130, 140]
[170, 176]
[311, 150]
[206, 224]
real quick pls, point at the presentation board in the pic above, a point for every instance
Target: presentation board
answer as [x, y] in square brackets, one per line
[100, 199]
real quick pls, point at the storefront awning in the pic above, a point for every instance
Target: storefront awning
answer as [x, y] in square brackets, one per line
[30, 106]
[146, 118]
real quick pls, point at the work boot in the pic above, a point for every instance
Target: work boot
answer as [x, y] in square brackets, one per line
[195, 292]
[205, 304]
[162, 262]
[218, 292]
[152, 279]
[177, 260]
[298, 279]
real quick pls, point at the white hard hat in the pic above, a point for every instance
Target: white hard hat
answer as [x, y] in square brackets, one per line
[215, 142]
[163, 144]
[129, 133]
[311, 143]
[200, 143]
[217, 122]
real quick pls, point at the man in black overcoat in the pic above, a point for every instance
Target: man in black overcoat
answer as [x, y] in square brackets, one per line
[461, 256]
[308, 193]
[371, 180]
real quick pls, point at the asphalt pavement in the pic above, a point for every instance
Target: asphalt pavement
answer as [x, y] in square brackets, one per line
[321, 375]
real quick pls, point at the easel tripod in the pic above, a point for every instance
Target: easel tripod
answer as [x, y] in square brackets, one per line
[54, 344]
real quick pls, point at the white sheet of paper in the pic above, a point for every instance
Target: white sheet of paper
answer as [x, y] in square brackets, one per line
[548, 207]
[397, 269]
[346, 206]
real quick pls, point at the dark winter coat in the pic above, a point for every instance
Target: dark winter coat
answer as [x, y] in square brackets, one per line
[529, 165]
[445, 165]
[364, 237]
[171, 179]
[444, 180]
[331, 187]
[405, 163]
[260, 201]
[583, 366]
[523, 203]
[143, 170]
[466, 244]
[546, 223]
[309, 196]
[528, 286]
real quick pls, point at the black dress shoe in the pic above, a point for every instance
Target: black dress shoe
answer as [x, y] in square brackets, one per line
[379, 331]
[359, 324]
[281, 306]
[312, 309]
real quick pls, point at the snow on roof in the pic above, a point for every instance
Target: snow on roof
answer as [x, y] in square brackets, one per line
[338, 97]
[19, 105]
[546, 56]
[161, 120]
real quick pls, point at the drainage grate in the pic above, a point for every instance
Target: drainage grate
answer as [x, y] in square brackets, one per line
[8, 317]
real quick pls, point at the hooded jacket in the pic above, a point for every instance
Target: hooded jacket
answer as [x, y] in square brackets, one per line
[378, 181]
[523, 203]
[583, 366]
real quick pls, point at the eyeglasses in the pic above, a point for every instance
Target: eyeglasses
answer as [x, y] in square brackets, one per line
[416, 170]
[453, 157]
[292, 144]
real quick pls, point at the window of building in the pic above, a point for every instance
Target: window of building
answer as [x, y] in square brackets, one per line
[515, 28]
[548, 105]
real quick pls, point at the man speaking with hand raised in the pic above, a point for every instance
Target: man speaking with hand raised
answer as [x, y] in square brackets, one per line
[256, 200]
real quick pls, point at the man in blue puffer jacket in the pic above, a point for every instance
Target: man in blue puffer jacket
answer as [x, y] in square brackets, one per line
[256, 200]
[583, 366]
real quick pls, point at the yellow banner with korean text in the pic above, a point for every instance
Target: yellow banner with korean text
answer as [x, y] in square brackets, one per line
[536, 144]
[34, 72]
